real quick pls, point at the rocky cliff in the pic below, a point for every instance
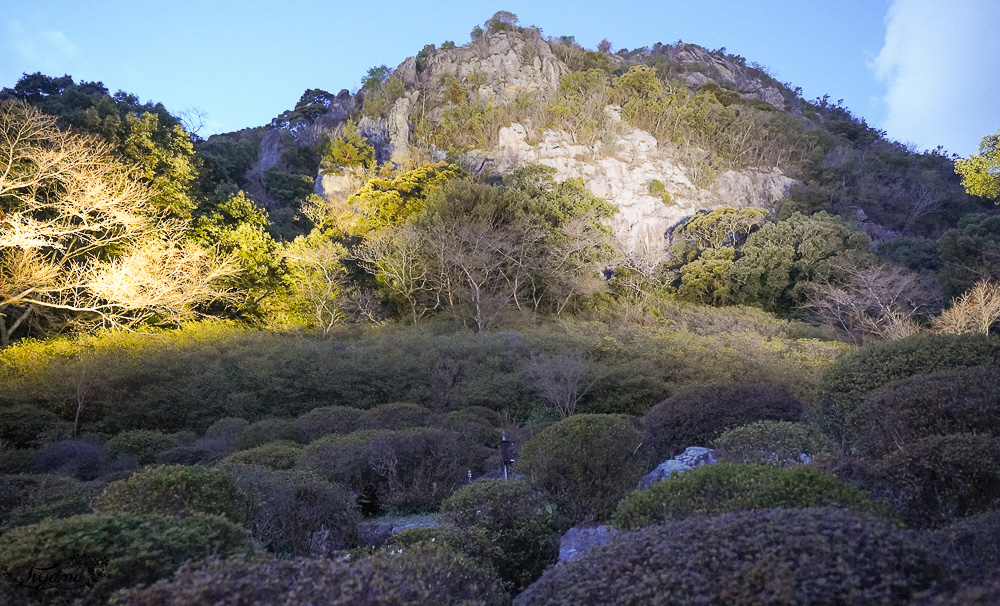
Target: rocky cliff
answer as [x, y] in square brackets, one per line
[622, 166]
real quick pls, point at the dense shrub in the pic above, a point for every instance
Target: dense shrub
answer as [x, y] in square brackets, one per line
[972, 543]
[412, 469]
[187, 454]
[398, 415]
[173, 490]
[585, 463]
[136, 549]
[773, 442]
[21, 425]
[269, 430]
[417, 576]
[30, 498]
[326, 420]
[776, 557]
[85, 460]
[296, 512]
[505, 527]
[848, 381]
[963, 400]
[941, 478]
[144, 444]
[221, 435]
[696, 416]
[477, 423]
[282, 454]
[724, 487]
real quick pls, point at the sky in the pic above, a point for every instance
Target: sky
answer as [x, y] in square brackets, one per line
[925, 71]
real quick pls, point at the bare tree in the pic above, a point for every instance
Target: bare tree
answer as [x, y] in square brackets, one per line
[319, 278]
[872, 301]
[976, 310]
[79, 242]
[562, 379]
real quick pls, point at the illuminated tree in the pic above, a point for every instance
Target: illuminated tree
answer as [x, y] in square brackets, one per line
[981, 172]
[80, 244]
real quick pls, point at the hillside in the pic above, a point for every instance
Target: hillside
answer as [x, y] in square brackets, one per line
[430, 341]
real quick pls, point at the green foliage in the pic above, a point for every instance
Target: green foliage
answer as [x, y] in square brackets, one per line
[585, 463]
[296, 512]
[348, 149]
[137, 549]
[969, 253]
[176, 490]
[268, 430]
[696, 416]
[239, 227]
[504, 525]
[145, 444]
[22, 425]
[501, 21]
[851, 379]
[772, 442]
[279, 454]
[143, 135]
[387, 202]
[313, 103]
[422, 576]
[379, 98]
[940, 478]
[399, 415]
[326, 420]
[30, 498]
[779, 262]
[981, 172]
[712, 490]
[779, 556]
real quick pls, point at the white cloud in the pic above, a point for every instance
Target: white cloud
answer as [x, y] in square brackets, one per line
[941, 66]
[40, 50]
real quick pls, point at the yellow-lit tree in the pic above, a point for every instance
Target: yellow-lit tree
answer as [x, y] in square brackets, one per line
[80, 243]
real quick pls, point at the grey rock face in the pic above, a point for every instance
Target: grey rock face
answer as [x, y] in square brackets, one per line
[510, 63]
[578, 541]
[623, 179]
[693, 456]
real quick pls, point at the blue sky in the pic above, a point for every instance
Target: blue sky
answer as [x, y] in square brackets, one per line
[926, 71]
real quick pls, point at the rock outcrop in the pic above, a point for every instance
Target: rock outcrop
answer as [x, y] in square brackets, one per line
[623, 177]
[508, 63]
[693, 456]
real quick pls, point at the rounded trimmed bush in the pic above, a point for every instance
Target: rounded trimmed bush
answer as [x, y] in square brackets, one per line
[173, 490]
[418, 576]
[585, 463]
[776, 557]
[144, 444]
[408, 470]
[725, 487]
[942, 478]
[849, 380]
[506, 527]
[965, 400]
[694, 417]
[281, 454]
[296, 512]
[326, 420]
[85, 460]
[137, 549]
[772, 442]
[269, 430]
